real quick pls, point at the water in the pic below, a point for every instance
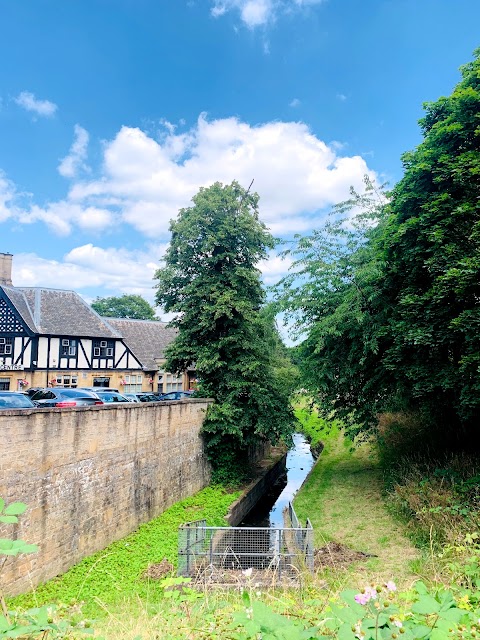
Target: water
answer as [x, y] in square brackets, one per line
[268, 512]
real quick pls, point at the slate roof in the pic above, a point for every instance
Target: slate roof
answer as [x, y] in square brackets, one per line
[59, 313]
[147, 339]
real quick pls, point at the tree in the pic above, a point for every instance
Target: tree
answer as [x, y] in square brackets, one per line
[210, 280]
[432, 249]
[332, 298]
[126, 306]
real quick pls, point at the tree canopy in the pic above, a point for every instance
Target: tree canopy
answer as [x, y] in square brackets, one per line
[388, 298]
[211, 281]
[127, 306]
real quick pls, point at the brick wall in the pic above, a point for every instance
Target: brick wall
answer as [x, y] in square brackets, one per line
[92, 475]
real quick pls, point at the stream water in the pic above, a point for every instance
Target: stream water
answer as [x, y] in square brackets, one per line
[268, 512]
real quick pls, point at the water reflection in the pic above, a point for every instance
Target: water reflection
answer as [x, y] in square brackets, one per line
[268, 512]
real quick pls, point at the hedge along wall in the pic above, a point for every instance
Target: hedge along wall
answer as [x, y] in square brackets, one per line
[92, 475]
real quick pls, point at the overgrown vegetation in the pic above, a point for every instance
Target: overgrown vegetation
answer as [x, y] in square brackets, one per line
[211, 282]
[386, 292]
[117, 573]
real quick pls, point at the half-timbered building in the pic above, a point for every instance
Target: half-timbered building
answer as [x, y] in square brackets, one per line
[53, 337]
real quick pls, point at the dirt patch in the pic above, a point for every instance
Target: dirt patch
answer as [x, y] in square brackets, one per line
[338, 555]
[159, 570]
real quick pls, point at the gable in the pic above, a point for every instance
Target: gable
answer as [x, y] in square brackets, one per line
[10, 321]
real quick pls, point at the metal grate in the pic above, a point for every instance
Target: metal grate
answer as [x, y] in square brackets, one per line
[221, 552]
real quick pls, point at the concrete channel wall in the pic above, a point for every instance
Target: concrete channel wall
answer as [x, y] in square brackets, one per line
[92, 475]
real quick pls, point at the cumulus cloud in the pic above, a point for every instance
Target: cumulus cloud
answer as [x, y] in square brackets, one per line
[295, 103]
[148, 181]
[255, 13]
[88, 266]
[144, 181]
[7, 194]
[75, 160]
[29, 102]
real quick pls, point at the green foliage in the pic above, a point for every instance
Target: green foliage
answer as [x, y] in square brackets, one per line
[38, 622]
[388, 298]
[210, 280]
[115, 573]
[127, 306]
[332, 297]
[432, 249]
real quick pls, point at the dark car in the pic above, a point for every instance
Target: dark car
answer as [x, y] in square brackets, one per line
[175, 395]
[14, 400]
[108, 397]
[55, 397]
[144, 396]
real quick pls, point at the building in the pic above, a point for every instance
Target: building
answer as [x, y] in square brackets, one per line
[53, 337]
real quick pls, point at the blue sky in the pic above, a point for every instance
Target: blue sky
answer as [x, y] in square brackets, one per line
[113, 113]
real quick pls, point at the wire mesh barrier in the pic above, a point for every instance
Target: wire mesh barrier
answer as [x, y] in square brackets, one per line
[228, 554]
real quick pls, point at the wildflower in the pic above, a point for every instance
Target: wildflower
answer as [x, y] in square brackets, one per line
[397, 623]
[247, 572]
[390, 586]
[362, 598]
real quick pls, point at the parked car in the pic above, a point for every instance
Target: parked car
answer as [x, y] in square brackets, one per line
[131, 397]
[54, 397]
[96, 389]
[15, 400]
[144, 396]
[175, 395]
[107, 397]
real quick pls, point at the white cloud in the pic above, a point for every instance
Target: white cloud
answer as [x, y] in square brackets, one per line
[28, 101]
[145, 181]
[341, 96]
[255, 13]
[7, 194]
[295, 103]
[116, 271]
[274, 267]
[75, 160]
[296, 173]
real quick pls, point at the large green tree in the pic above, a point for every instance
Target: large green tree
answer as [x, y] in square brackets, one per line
[126, 306]
[432, 253]
[389, 299]
[211, 282]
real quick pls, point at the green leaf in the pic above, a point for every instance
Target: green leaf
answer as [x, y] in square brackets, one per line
[426, 605]
[9, 519]
[2, 504]
[15, 509]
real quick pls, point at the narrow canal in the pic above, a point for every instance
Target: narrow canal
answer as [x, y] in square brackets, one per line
[268, 512]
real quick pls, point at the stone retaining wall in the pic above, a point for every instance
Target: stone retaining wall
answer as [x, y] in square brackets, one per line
[92, 475]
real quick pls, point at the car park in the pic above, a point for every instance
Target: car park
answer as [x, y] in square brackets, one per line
[175, 395]
[109, 397]
[131, 397]
[15, 400]
[96, 389]
[144, 396]
[59, 397]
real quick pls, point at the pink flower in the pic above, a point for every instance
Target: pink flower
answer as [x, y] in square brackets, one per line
[362, 598]
[390, 586]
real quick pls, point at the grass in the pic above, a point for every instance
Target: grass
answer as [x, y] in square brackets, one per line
[343, 499]
[111, 576]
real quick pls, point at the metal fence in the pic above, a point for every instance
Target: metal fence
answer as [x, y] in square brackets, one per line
[222, 553]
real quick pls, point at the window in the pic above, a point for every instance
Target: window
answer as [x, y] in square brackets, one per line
[133, 383]
[6, 346]
[68, 348]
[173, 382]
[101, 382]
[4, 383]
[67, 380]
[103, 348]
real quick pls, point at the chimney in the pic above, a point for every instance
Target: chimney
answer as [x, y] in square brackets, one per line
[6, 268]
